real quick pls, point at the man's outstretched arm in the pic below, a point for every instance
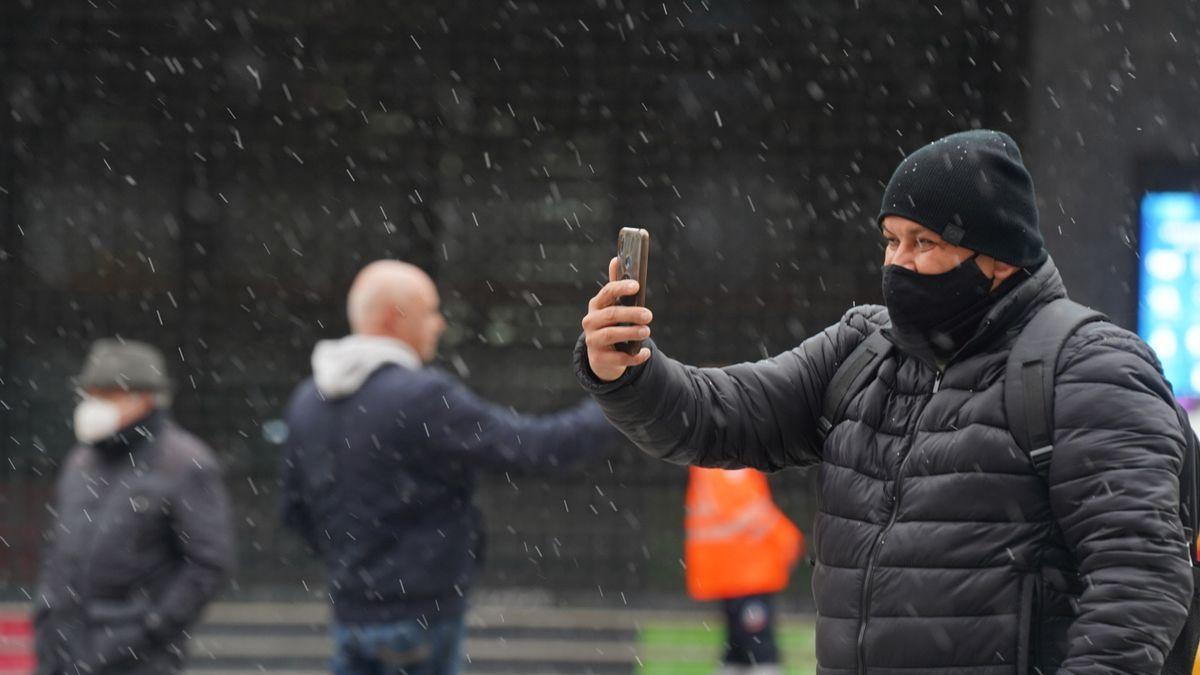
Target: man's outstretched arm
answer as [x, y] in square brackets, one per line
[762, 415]
[462, 425]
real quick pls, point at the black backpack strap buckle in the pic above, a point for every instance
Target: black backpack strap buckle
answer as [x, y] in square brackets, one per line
[850, 378]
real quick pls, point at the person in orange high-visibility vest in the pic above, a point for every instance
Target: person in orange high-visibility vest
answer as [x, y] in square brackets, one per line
[740, 549]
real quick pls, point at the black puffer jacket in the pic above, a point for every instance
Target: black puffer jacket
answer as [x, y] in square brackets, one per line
[939, 549]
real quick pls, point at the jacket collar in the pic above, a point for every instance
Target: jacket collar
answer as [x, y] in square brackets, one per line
[132, 438]
[1010, 316]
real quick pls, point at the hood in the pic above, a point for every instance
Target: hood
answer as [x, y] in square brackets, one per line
[340, 367]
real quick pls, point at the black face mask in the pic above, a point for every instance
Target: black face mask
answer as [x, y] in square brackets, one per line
[942, 309]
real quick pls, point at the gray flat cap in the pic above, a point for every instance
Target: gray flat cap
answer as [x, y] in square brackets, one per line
[125, 364]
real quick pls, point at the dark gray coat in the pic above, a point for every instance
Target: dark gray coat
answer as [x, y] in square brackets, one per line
[142, 541]
[938, 548]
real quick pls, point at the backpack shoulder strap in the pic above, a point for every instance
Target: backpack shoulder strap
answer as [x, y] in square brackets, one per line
[851, 375]
[1029, 377]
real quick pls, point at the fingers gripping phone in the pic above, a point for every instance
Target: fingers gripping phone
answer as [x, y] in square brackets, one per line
[633, 256]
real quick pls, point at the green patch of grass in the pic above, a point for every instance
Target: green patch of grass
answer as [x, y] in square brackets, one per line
[695, 648]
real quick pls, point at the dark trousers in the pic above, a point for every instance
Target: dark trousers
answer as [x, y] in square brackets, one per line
[750, 630]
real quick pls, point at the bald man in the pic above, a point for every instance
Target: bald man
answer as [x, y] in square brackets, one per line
[379, 471]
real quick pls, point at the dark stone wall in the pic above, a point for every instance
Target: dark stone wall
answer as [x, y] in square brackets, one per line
[1112, 113]
[210, 175]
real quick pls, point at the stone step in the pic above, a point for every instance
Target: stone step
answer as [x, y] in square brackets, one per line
[292, 614]
[244, 638]
[497, 649]
[509, 631]
[477, 668]
[241, 638]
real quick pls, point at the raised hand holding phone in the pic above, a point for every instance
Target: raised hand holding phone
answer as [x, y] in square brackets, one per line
[617, 321]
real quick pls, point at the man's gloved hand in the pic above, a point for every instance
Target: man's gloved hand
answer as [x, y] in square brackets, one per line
[114, 645]
[49, 642]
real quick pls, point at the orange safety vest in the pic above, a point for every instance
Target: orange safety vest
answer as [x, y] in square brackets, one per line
[738, 542]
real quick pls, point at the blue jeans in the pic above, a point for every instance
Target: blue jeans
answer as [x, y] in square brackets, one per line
[407, 647]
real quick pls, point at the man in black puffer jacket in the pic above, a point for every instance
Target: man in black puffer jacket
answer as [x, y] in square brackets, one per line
[939, 549]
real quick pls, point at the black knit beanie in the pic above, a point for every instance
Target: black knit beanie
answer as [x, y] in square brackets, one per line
[973, 190]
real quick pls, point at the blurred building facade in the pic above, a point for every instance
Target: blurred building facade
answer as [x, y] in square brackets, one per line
[209, 176]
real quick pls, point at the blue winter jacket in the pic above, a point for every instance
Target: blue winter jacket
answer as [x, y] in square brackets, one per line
[380, 467]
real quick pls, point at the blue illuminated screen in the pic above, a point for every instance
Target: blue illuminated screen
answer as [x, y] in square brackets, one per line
[1169, 296]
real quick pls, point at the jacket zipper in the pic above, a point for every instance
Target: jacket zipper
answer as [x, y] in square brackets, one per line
[116, 480]
[89, 550]
[874, 558]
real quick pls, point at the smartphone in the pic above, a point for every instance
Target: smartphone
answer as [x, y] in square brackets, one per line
[633, 256]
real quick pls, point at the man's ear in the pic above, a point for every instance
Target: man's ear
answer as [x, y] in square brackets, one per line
[148, 402]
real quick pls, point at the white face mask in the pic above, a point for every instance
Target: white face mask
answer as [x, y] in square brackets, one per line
[96, 420]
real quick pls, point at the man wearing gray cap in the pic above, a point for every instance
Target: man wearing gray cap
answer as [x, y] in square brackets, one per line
[141, 536]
